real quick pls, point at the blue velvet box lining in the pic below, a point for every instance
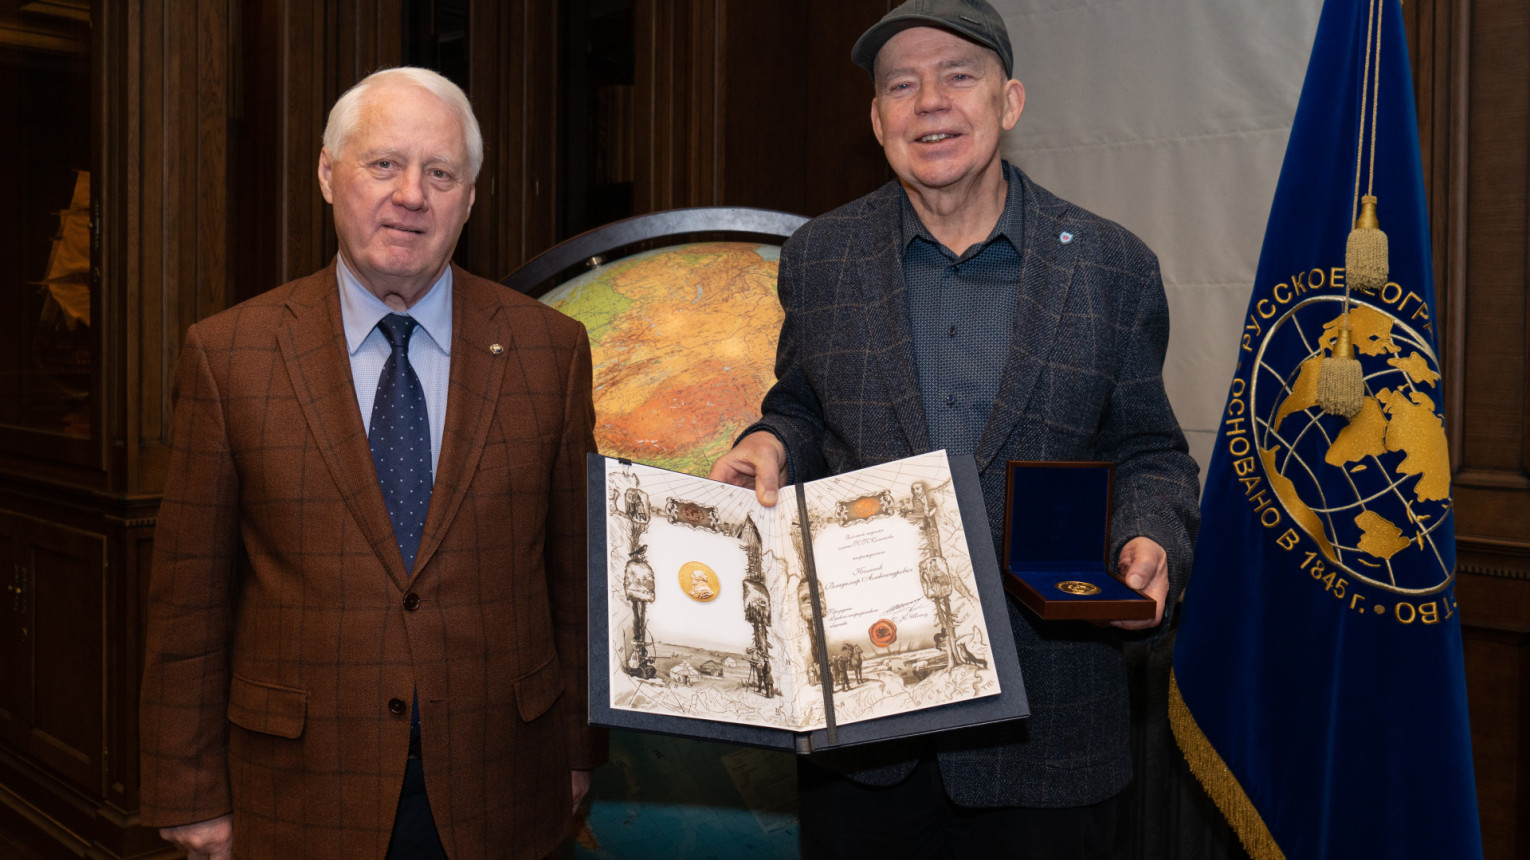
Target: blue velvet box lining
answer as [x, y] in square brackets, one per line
[1058, 530]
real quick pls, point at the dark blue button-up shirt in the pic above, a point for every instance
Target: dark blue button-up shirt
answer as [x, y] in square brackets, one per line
[962, 312]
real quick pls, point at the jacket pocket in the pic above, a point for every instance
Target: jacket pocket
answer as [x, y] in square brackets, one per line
[536, 691]
[270, 709]
[517, 450]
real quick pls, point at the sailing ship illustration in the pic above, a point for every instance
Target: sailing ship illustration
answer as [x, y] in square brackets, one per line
[61, 340]
[66, 284]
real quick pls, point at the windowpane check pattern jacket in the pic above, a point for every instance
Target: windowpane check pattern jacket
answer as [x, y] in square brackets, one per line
[285, 640]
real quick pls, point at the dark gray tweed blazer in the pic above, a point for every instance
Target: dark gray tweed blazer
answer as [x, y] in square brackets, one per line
[1081, 381]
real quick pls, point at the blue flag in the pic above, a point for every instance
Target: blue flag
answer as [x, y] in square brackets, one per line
[1318, 689]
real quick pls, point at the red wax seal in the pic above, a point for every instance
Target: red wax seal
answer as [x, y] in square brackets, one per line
[883, 633]
[866, 507]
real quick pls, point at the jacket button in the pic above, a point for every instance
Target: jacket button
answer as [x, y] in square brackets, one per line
[397, 706]
[411, 601]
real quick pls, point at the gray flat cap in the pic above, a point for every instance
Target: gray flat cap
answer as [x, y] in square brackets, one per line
[973, 20]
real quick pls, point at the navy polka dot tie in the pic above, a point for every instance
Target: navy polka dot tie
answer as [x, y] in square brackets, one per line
[400, 439]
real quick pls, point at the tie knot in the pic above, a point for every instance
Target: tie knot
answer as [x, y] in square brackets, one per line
[397, 328]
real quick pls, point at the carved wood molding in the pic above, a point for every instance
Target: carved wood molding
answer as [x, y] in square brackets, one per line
[1486, 555]
[161, 105]
[1500, 572]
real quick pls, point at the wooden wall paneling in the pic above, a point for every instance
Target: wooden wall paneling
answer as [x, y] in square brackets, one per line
[53, 759]
[1431, 45]
[1495, 620]
[679, 73]
[132, 255]
[752, 104]
[534, 219]
[359, 37]
[1492, 484]
[15, 637]
[652, 83]
[130, 549]
[1470, 77]
[1497, 183]
[112, 233]
[764, 103]
[843, 160]
[67, 731]
[258, 68]
[163, 73]
[279, 211]
[364, 36]
[514, 79]
[705, 114]
[493, 80]
[307, 87]
[1498, 683]
[295, 57]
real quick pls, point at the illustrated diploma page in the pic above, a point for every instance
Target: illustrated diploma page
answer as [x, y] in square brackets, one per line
[711, 599]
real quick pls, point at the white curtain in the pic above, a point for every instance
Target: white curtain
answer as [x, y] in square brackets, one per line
[1169, 117]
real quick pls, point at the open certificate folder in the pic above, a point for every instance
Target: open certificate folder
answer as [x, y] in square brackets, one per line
[862, 607]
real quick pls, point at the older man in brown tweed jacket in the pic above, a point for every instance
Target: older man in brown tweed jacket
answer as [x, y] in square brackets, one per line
[308, 692]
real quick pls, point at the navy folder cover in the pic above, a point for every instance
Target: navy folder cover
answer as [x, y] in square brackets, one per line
[1009, 704]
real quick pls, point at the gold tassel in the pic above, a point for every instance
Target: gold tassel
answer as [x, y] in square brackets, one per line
[1341, 383]
[1365, 254]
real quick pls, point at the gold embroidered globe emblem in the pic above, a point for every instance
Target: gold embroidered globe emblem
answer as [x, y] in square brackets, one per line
[1371, 491]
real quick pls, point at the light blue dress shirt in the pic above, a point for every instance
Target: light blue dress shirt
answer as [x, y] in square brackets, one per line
[430, 347]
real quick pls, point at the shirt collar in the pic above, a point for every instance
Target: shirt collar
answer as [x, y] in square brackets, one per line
[1008, 225]
[360, 309]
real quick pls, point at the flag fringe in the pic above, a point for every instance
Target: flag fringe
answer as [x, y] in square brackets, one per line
[1219, 781]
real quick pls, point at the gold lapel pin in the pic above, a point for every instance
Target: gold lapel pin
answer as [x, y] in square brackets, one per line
[496, 349]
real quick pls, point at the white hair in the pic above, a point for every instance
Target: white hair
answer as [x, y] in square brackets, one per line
[346, 113]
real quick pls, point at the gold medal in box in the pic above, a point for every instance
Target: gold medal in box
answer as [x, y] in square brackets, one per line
[1057, 543]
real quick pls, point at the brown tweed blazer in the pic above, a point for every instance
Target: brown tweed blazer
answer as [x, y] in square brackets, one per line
[281, 623]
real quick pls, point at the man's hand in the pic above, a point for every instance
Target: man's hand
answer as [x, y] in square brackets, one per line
[1145, 566]
[205, 840]
[758, 461]
[581, 781]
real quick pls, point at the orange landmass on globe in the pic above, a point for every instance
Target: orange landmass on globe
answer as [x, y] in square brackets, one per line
[696, 419]
[683, 341]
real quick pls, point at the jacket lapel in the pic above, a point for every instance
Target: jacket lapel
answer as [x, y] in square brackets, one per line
[319, 366]
[1046, 274]
[471, 399]
[884, 294]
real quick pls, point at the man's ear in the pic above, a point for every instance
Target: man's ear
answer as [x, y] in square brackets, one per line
[1014, 103]
[325, 167]
[876, 122]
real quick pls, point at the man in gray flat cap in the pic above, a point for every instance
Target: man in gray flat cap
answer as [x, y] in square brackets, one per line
[965, 307]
